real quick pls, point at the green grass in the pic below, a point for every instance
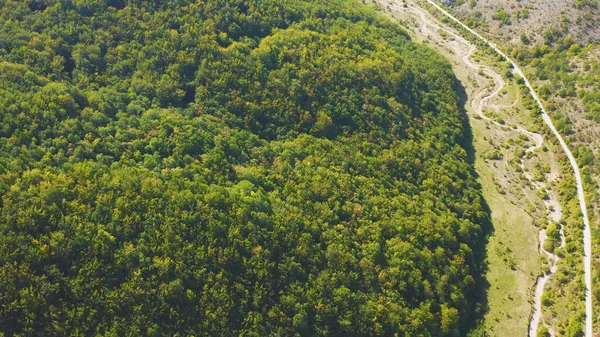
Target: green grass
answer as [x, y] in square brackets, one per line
[514, 239]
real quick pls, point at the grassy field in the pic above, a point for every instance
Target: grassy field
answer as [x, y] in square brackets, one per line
[512, 250]
[512, 260]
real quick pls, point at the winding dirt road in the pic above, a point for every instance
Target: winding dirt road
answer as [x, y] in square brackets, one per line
[587, 237]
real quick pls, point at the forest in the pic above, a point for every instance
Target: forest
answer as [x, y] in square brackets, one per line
[231, 167]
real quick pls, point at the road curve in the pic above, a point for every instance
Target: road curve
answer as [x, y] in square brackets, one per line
[587, 235]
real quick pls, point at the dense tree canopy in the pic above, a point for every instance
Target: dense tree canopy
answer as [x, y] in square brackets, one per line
[230, 167]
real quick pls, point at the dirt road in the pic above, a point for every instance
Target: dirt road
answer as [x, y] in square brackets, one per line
[587, 237]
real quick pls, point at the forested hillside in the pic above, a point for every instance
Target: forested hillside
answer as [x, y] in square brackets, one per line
[229, 167]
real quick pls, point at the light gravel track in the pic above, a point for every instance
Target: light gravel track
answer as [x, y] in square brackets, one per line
[587, 236]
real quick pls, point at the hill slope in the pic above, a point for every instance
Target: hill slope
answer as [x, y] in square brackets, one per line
[230, 167]
[531, 21]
